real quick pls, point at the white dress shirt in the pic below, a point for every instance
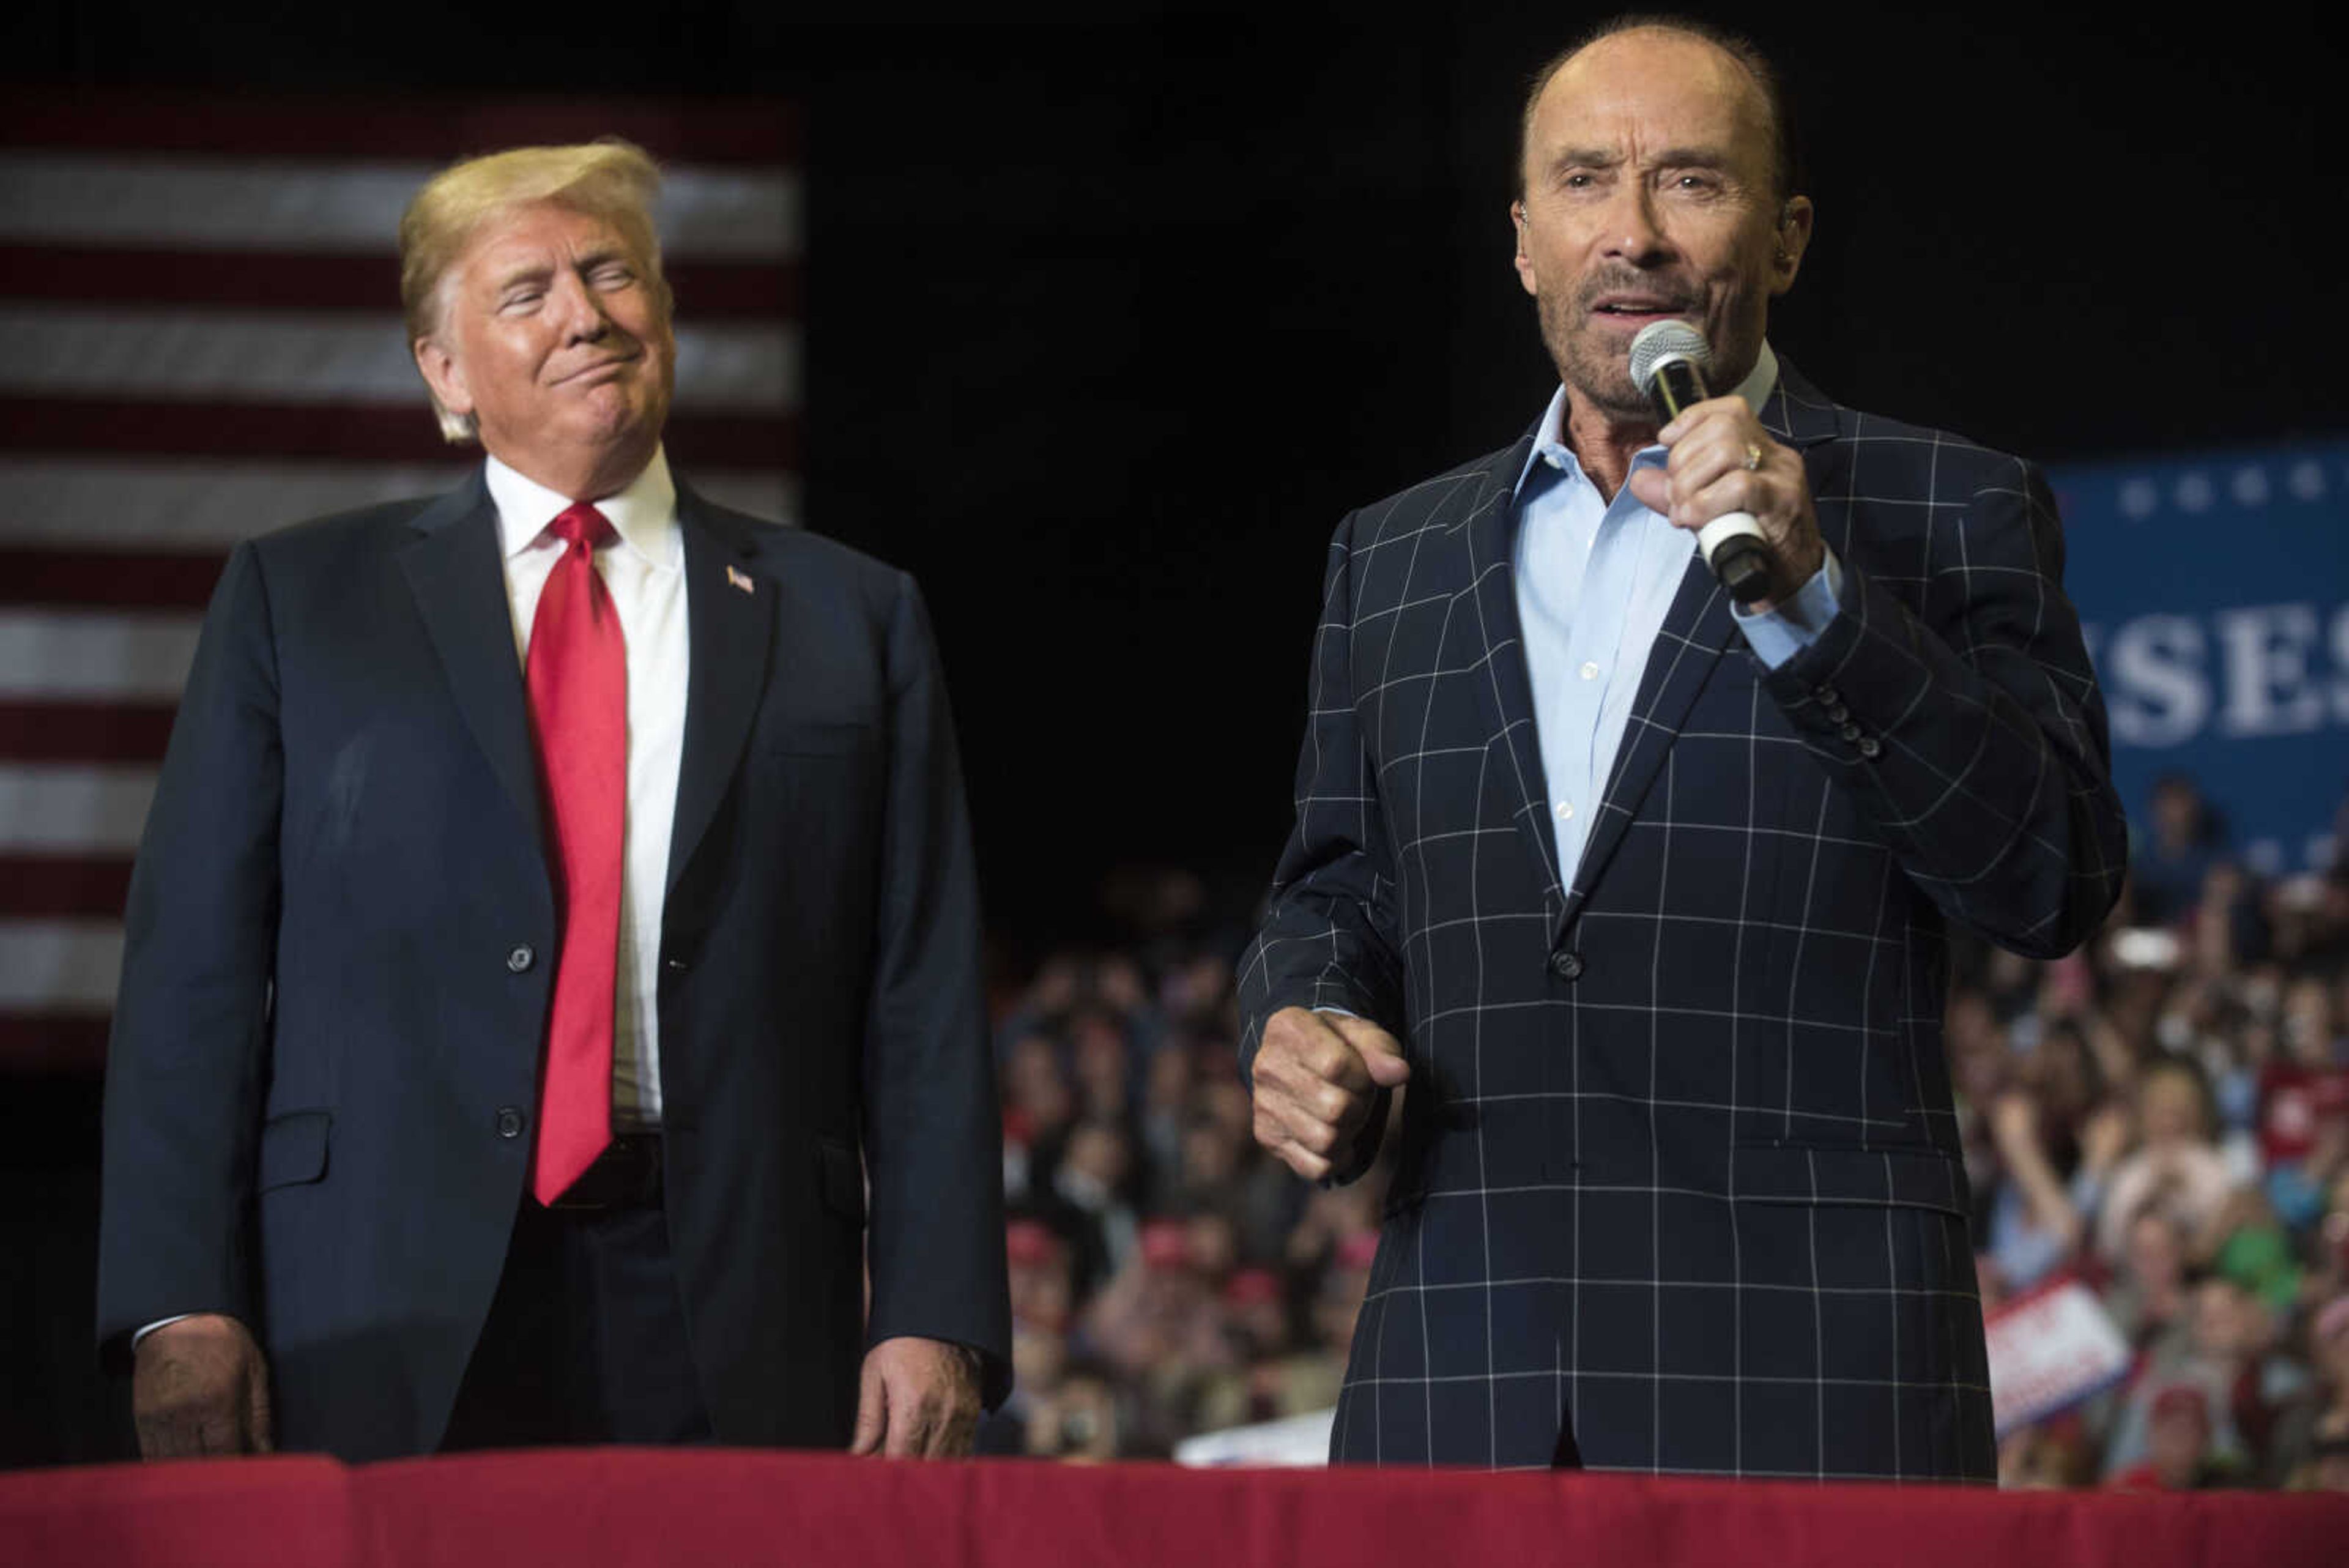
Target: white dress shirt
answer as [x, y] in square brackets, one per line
[1595, 579]
[643, 570]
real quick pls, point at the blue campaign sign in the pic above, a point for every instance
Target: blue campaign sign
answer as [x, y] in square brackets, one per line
[2215, 589]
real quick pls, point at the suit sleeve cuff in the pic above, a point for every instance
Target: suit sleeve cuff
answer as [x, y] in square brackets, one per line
[1777, 634]
[146, 1329]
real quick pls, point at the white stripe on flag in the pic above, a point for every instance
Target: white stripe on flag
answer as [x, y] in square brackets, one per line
[58, 809]
[313, 358]
[137, 504]
[63, 964]
[125, 656]
[62, 198]
[131, 503]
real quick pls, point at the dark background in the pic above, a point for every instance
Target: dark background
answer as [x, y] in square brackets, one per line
[1109, 320]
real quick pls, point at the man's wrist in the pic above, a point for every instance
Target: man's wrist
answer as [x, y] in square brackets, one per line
[140, 1334]
[1792, 624]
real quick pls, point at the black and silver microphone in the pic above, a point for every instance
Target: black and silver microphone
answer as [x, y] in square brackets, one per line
[1669, 359]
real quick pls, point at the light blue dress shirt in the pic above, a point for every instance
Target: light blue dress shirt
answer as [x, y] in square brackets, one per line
[1595, 579]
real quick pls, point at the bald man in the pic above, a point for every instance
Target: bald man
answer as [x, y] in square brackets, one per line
[1638, 896]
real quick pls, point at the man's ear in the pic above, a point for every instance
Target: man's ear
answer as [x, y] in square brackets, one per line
[445, 376]
[1793, 238]
[1523, 262]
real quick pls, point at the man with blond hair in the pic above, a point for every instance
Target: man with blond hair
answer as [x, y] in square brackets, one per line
[552, 975]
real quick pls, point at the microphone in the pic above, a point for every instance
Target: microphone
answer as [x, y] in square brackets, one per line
[1669, 359]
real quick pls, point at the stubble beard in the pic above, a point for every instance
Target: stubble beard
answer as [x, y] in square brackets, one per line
[1602, 377]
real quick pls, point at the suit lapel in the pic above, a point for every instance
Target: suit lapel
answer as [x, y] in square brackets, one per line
[455, 570]
[729, 616]
[1797, 413]
[1697, 628]
[1503, 685]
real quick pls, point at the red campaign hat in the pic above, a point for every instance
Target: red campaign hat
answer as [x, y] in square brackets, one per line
[1358, 1248]
[2329, 1095]
[1030, 1241]
[2182, 1400]
[1251, 1287]
[1166, 1244]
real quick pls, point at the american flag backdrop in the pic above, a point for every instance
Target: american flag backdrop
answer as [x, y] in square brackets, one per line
[200, 339]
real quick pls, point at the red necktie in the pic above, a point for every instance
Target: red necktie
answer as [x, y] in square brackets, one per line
[577, 671]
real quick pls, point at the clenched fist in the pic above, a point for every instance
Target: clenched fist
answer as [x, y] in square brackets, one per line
[1317, 1078]
[200, 1387]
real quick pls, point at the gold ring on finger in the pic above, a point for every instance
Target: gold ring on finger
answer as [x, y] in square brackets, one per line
[1753, 456]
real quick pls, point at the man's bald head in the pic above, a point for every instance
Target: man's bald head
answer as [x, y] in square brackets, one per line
[1785, 162]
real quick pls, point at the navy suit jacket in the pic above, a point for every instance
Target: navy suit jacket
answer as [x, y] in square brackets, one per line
[340, 951]
[1678, 1170]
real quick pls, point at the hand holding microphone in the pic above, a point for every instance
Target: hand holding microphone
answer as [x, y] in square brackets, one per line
[1746, 496]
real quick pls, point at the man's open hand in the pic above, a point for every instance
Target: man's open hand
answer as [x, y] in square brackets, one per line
[917, 1399]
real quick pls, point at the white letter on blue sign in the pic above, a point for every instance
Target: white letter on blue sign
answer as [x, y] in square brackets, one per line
[2160, 696]
[2268, 691]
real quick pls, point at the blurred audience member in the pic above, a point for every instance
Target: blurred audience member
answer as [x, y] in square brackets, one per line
[2178, 1455]
[2314, 1429]
[2176, 1166]
[1090, 1204]
[2166, 873]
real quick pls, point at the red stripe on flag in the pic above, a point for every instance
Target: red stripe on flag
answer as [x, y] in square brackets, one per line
[52, 1042]
[141, 580]
[91, 274]
[58, 887]
[219, 125]
[353, 432]
[84, 732]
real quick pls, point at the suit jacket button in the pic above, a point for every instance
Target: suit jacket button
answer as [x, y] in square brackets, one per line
[521, 958]
[1869, 746]
[1849, 731]
[1827, 694]
[1566, 966]
[511, 1122]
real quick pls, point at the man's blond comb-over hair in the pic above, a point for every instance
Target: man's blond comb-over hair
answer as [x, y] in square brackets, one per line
[609, 179]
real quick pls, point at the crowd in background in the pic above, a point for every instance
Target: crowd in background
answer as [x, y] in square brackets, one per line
[2164, 1116]
[1167, 1277]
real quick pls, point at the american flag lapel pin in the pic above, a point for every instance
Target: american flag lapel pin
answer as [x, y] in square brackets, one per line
[739, 578]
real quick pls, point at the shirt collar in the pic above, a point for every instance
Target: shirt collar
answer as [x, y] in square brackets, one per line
[643, 512]
[1549, 436]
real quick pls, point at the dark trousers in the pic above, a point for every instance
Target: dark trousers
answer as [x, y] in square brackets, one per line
[585, 1342]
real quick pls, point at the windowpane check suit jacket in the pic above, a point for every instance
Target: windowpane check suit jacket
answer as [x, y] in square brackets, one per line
[1679, 1172]
[339, 958]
